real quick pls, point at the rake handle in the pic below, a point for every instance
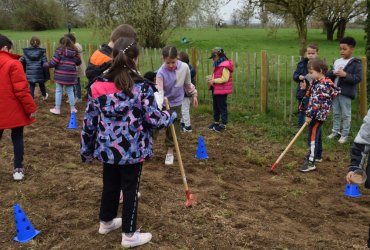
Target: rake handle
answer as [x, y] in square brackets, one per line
[177, 148]
[289, 145]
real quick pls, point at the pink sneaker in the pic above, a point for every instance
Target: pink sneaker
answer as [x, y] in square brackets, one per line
[135, 240]
[55, 111]
[106, 227]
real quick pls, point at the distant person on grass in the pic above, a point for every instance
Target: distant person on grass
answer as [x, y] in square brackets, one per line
[303, 80]
[65, 60]
[347, 73]
[17, 107]
[221, 85]
[173, 80]
[321, 94]
[100, 60]
[33, 58]
[185, 106]
[117, 130]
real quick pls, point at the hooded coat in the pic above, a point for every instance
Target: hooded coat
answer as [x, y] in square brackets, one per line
[16, 102]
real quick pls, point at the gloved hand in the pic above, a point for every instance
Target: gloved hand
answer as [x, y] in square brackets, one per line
[173, 116]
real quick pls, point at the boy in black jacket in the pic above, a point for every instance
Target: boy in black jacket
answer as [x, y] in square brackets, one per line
[347, 73]
[303, 80]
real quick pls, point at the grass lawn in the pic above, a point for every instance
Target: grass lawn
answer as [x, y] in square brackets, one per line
[284, 42]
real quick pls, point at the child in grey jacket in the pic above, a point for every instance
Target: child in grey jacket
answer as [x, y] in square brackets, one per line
[360, 150]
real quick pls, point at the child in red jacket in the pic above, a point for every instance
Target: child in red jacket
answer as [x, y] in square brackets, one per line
[17, 107]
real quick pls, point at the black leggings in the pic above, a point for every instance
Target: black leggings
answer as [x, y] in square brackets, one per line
[115, 178]
[18, 146]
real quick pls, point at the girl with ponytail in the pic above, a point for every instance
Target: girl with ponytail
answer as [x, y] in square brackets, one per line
[117, 130]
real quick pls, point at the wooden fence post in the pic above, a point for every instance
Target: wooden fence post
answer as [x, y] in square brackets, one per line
[263, 92]
[49, 56]
[363, 89]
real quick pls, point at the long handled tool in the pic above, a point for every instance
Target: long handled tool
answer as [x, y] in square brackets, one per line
[191, 198]
[288, 147]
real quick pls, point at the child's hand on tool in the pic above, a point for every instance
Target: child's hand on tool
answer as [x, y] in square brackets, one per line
[308, 119]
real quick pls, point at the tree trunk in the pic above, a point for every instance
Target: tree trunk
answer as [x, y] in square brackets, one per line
[341, 29]
[302, 35]
[330, 31]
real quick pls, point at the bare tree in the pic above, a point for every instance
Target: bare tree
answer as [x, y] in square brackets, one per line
[246, 12]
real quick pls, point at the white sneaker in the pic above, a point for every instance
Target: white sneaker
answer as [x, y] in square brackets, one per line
[18, 174]
[333, 135]
[55, 111]
[169, 159]
[106, 227]
[73, 110]
[44, 98]
[343, 139]
[135, 240]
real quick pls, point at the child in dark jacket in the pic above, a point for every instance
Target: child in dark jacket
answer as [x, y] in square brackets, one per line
[33, 58]
[65, 60]
[117, 130]
[347, 73]
[101, 59]
[322, 92]
[303, 80]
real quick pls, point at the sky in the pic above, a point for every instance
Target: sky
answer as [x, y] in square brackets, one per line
[226, 10]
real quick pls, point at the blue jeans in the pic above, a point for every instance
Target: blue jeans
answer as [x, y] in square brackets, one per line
[342, 106]
[59, 92]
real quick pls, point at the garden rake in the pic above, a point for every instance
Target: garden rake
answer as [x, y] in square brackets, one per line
[289, 146]
[191, 198]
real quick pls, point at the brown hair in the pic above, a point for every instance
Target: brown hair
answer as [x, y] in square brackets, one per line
[169, 52]
[35, 42]
[313, 46]
[124, 30]
[66, 43]
[318, 65]
[123, 70]
[184, 57]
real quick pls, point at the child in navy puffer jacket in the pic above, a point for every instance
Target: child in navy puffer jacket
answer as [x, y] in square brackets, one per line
[117, 130]
[65, 61]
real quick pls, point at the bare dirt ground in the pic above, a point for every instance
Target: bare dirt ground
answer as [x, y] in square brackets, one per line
[241, 204]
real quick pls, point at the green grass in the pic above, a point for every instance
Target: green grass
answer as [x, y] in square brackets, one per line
[284, 43]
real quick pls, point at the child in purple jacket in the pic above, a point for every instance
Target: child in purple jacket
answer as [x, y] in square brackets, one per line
[65, 61]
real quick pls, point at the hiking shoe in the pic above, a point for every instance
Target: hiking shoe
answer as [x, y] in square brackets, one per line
[106, 227]
[343, 139]
[318, 159]
[169, 159]
[186, 129]
[44, 98]
[307, 166]
[219, 127]
[18, 174]
[333, 135]
[55, 111]
[136, 239]
[212, 126]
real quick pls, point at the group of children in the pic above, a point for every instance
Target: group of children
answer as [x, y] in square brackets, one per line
[319, 89]
[124, 108]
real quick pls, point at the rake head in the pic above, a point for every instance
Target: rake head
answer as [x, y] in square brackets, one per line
[191, 199]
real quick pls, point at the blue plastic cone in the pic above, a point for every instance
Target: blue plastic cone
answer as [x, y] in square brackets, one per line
[352, 190]
[25, 230]
[201, 151]
[72, 121]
